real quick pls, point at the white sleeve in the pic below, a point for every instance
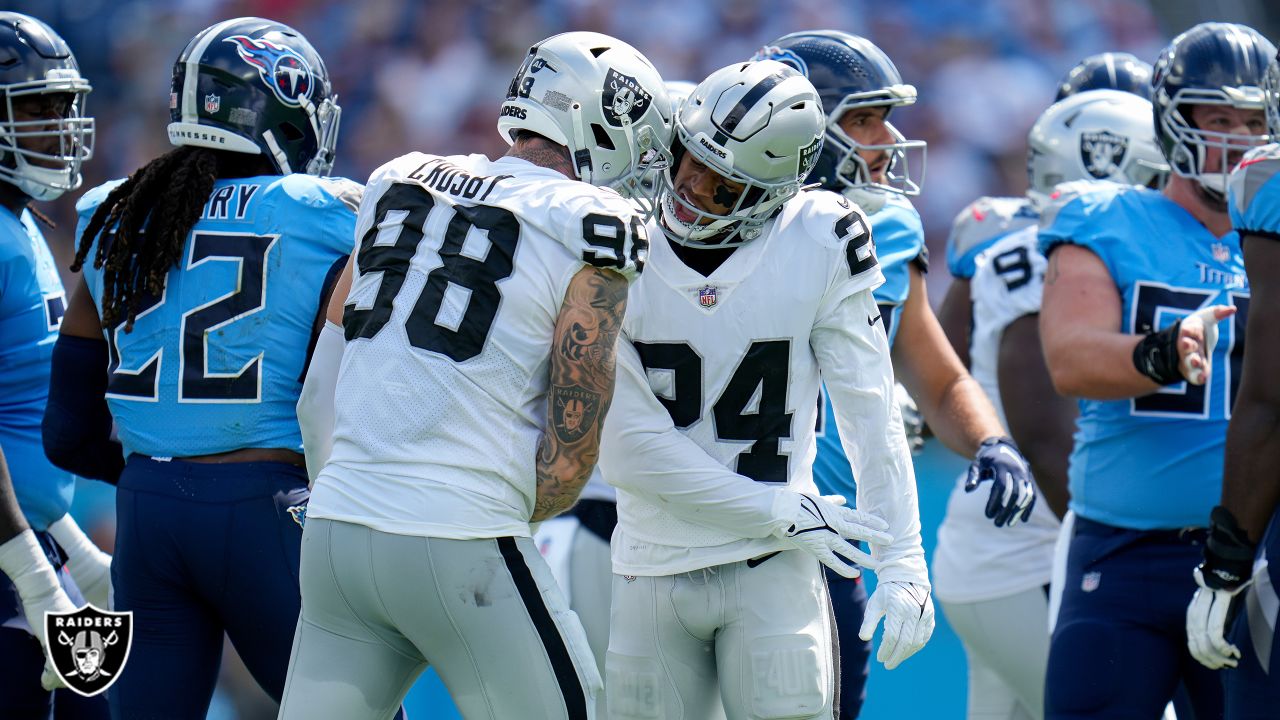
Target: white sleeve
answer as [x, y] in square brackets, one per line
[643, 453]
[858, 373]
[315, 402]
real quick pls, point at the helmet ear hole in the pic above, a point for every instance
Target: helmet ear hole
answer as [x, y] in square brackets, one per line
[602, 138]
[291, 132]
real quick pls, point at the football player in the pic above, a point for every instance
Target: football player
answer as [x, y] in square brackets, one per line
[1136, 283]
[204, 274]
[754, 288]
[987, 219]
[486, 298]
[985, 577]
[865, 158]
[1236, 576]
[44, 137]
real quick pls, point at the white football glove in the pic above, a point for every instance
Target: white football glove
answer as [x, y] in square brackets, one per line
[908, 613]
[823, 526]
[1207, 624]
[22, 559]
[89, 566]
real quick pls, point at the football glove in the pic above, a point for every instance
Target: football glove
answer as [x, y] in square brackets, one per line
[823, 526]
[907, 610]
[912, 419]
[89, 566]
[22, 559]
[1013, 493]
[1225, 572]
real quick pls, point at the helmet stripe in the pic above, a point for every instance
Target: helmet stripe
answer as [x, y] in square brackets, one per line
[192, 79]
[749, 101]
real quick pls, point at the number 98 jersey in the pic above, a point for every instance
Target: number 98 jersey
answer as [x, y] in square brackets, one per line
[461, 269]
[1153, 461]
[215, 363]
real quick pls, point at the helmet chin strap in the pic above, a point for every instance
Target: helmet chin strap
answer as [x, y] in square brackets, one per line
[581, 155]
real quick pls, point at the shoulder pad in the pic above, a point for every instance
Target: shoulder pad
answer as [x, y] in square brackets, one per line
[90, 201]
[601, 228]
[316, 192]
[1253, 192]
[988, 218]
[835, 223]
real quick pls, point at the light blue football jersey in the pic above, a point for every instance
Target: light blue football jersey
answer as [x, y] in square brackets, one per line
[32, 303]
[1154, 461]
[899, 240]
[982, 224]
[1253, 193]
[216, 362]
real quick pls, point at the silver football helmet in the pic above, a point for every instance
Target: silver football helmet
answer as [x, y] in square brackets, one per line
[1094, 135]
[597, 96]
[759, 124]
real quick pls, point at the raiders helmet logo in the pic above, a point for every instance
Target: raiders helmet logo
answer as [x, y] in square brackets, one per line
[809, 157]
[623, 96]
[89, 647]
[1103, 153]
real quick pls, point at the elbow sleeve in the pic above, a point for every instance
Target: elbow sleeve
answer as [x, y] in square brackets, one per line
[77, 423]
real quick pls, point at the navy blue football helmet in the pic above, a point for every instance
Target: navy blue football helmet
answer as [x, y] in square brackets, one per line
[255, 86]
[1107, 71]
[851, 72]
[42, 156]
[1210, 64]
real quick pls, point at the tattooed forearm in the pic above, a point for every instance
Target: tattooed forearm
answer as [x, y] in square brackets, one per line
[582, 376]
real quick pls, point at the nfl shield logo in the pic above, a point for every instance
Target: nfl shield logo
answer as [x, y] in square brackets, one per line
[707, 297]
[212, 103]
[1091, 581]
[89, 647]
[1221, 252]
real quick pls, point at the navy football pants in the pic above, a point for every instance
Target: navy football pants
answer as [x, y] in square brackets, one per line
[202, 549]
[1120, 647]
[849, 603]
[1253, 693]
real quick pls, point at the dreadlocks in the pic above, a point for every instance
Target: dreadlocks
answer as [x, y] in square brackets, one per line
[167, 196]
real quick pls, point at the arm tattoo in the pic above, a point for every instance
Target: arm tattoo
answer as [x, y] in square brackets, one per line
[582, 377]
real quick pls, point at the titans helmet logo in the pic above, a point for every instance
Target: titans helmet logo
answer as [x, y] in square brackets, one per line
[283, 69]
[786, 57]
[1103, 153]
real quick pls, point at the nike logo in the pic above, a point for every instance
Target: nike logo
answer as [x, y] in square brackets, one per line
[871, 321]
[758, 561]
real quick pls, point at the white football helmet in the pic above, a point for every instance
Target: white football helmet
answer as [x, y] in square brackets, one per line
[756, 123]
[1094, 135]
[597, 96]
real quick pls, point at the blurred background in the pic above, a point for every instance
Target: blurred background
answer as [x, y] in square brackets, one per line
[427, 75]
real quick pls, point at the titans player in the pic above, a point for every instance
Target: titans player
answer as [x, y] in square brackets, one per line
[195, 331]
[988, 219]
[1247, 516]
[867, 159]
[1136, 284]
[44, 138]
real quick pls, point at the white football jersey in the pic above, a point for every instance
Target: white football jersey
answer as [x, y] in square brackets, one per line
[982, 222]
[461, 269]
[716, 401]
[975, 560]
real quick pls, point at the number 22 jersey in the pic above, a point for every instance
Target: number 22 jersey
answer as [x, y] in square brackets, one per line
[1153, 461]
[461, 269]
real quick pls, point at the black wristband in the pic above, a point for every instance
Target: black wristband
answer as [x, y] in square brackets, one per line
[1156, 356]
[1228, 554]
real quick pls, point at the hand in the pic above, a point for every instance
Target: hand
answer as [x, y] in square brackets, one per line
[912, 419]
[1197, 336]
[22, 559]
[908, 613]
[822, 527]
[1226, 570]
[1013, 493]
[90, 567]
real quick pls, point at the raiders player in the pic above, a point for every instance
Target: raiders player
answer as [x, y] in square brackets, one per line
[485, 300]
[753, 289]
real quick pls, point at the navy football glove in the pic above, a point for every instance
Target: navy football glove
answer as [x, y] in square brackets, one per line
[1013, 493]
